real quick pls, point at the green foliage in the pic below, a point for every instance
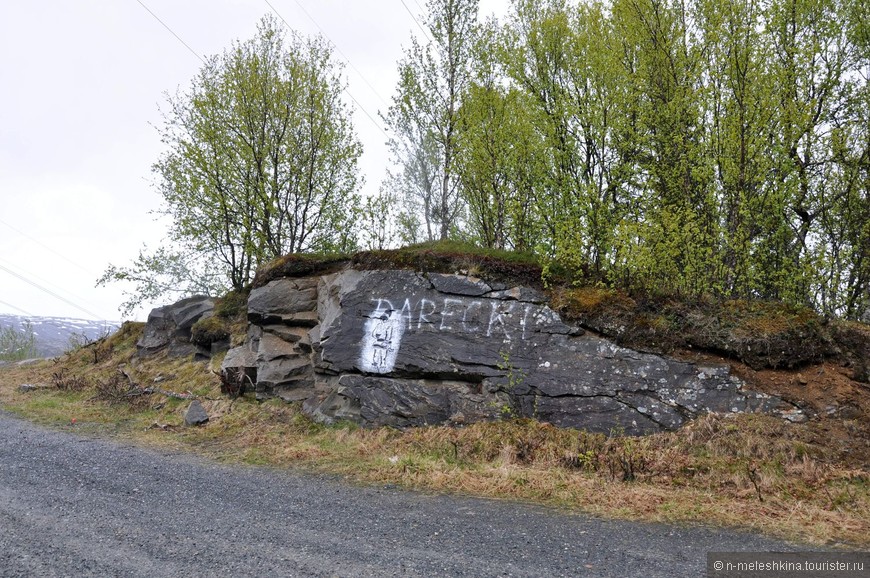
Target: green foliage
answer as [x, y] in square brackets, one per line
[261, 161]
[692, 148]
[425, 119]
[498, 150]
[17, 344]
[378, 229]
[515, 376]
[701, 149]
[165, 273]
[231, 305]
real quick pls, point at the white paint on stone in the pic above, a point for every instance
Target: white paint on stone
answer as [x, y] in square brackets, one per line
[386, 325]
[383, 336]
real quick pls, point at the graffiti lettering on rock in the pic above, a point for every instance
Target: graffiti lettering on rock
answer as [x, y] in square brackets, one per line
[387, 324]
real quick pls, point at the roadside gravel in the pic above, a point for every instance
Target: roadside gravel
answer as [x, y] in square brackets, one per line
[77, 506]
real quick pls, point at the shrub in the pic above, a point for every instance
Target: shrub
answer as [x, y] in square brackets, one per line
[17, 344]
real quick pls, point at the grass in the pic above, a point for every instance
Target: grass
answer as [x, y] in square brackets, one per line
[457, 256]
[431, 257]
[748, 471]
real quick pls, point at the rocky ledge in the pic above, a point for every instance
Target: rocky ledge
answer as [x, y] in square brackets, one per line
[400, 348]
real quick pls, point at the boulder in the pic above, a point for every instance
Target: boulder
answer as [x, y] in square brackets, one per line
[168, 328]
[403, 349]
[188, 311]
[283, 367]
[195, 414]
[284, 301]
[28, 387]
[157, 333]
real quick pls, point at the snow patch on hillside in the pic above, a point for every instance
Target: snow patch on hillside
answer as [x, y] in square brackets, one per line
[54, 335]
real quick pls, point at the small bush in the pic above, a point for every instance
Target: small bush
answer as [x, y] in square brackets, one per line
[113, 389]
[17, 344]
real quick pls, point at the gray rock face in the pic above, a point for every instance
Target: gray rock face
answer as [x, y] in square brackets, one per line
[169, 328]
[405, 349]
[404, 402]
[238, 371]
[284, 301]
[283, 314]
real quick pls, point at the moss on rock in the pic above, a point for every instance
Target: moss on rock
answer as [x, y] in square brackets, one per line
[209, 330]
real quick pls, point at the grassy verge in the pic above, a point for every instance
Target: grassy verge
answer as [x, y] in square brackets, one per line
[745, 471]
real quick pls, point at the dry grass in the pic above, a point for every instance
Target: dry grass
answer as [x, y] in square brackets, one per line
[747, 471]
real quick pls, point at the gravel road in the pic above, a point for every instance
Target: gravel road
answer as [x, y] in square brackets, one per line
[76, 506]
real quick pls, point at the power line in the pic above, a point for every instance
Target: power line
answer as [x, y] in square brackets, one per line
[192, 51]
[425, 32]
[47, 248]
[345, 89]
[371, 118]
[49, 291]
[17, 308]
[45, 281]
[340, 52]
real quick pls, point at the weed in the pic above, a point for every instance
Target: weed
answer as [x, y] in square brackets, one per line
[64, 381]
[515, 377]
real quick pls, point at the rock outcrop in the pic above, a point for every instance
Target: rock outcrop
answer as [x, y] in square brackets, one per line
[169, 328]
[403, 349]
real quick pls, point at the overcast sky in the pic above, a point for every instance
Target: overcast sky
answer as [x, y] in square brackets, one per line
[80, 86]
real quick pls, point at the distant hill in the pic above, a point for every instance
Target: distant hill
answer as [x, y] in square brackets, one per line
[54, 334]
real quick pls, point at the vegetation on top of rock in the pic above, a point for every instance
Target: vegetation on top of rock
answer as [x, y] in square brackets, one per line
[210, 330]
[430, 257]
[456, 257]
[761, 334]
[232, 305]
[299, 265]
